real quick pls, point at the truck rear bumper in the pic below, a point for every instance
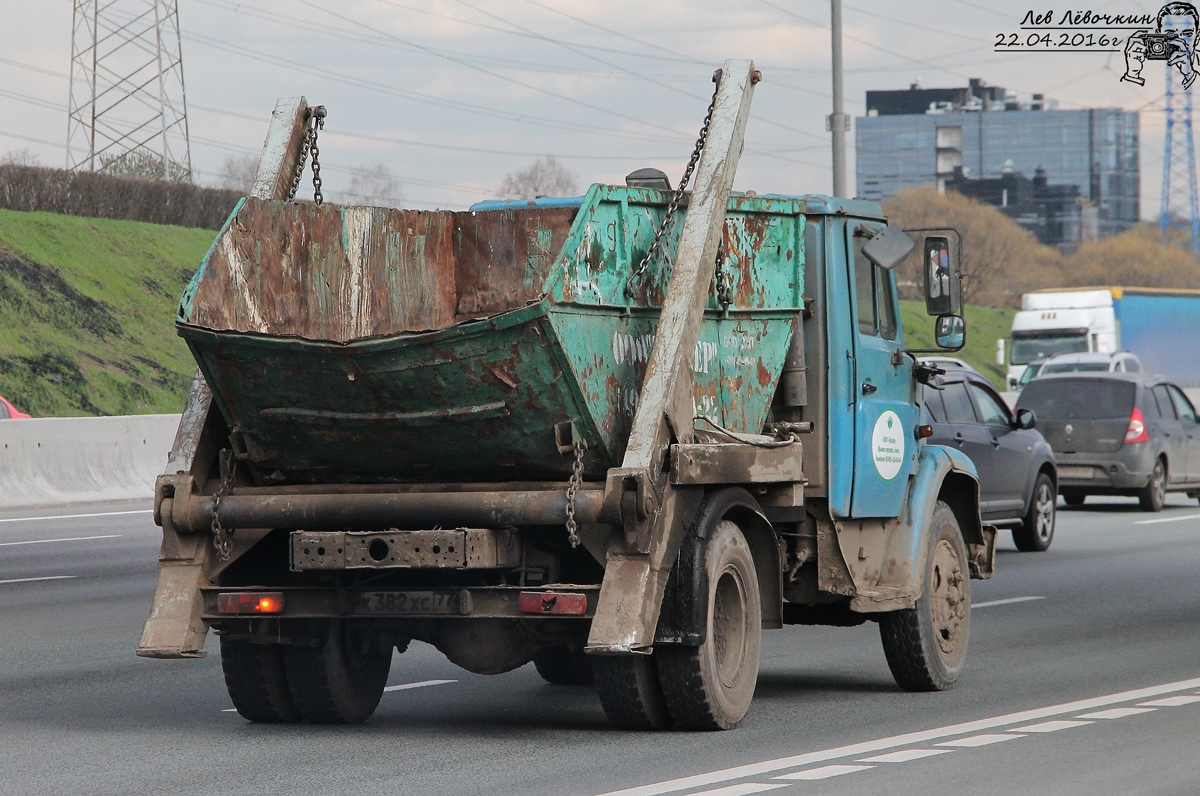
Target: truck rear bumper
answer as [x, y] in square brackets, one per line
[489, 602]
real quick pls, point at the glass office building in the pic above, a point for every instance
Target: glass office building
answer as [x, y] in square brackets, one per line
[984, 132]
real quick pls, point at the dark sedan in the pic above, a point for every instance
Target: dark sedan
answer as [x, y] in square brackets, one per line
[1118, 434]
[1018, 477]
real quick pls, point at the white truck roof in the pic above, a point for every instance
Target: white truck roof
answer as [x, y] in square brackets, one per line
[1066, 299]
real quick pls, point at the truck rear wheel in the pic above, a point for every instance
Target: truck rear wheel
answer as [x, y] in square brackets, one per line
[255, 679]
[341, 681]
[926, 645]
[630, 691]
[710, 687]
[564, 666]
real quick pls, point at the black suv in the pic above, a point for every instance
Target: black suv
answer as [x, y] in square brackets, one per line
[1118, 434]
[1017, 473]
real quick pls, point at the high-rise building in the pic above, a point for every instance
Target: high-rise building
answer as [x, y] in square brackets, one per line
[922, 136]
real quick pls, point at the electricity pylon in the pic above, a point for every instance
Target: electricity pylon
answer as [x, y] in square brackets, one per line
[1179, 167]
[128, 109]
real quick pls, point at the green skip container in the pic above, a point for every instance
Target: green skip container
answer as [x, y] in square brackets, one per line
[362, 344]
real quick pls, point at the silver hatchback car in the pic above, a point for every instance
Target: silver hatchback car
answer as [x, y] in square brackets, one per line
[1117, 434]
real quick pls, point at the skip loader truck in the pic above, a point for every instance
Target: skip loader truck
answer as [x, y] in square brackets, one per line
[616, 435]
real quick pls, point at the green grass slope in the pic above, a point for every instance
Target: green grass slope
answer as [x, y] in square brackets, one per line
[985, 325]
[87, 310]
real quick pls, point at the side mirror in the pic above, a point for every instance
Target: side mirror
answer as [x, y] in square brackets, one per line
[943, 293]
[1026, 419]
[950, 332]
[887, 247]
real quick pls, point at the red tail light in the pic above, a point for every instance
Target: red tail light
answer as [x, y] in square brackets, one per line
[269, 602]
[1137, 431]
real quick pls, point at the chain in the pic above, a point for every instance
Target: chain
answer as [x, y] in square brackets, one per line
[223, 537]
[316, 164]
[634, 283]
[723, 278]
[316, 121]
[572, 488]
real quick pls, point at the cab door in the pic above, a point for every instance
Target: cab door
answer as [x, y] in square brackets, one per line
[882, 388]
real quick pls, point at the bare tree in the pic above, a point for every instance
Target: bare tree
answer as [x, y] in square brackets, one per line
[144, 164]
[237, 173]
[374, 185]
[20, 157]
[543, 177]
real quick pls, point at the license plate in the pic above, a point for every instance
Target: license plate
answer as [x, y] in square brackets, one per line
[1075, 472]
[406, 603]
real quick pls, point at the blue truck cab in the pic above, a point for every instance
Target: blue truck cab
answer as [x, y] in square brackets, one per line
[875, 542]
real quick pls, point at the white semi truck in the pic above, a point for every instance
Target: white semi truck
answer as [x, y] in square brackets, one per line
[1150, 322]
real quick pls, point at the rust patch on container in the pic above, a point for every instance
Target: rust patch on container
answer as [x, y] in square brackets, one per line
[358, 272]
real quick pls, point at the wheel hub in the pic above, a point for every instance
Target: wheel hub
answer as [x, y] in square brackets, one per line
[947, 598]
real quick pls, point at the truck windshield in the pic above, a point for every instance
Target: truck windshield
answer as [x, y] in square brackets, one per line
[1077, 399]
[1028, 346]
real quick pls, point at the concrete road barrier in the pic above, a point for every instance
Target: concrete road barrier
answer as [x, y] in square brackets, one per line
[63, 460]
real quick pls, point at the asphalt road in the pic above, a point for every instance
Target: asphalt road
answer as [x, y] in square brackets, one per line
[1091, 688]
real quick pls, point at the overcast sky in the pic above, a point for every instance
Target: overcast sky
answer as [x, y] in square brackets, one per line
[453, 94]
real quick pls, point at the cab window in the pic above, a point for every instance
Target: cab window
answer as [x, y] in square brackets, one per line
[873, 289]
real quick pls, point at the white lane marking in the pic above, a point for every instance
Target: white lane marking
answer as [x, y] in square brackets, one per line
[907, 739]
[69, 539]
[229, 710]
[1052, 726]
[1006, 601]
[75, 516]
[1168, 519]
[44, 577]
[742, 789]
[1116, 713]
[905, 755]
[1171, 702]
[824, 772]
[981, 740]
[421, 684]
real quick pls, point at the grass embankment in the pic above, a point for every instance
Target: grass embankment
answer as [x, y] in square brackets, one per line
[985, 325]
[87, 310]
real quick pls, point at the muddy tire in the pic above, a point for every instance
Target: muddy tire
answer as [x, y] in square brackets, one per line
[1153, 495]
[257, 684]
[710, 687]
[926, 645]
[564, 666]
[1037, 529]
[630, 692]
[1072, 498]
[341, 681]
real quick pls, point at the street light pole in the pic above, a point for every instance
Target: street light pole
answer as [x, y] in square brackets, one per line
[838, 122]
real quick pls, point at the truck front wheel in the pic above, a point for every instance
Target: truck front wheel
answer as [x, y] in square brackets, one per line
[926, 645]
[340, 681]
[710, 687]
[255, 679]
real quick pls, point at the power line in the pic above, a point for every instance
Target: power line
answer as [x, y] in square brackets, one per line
[431, 145]
[457, 105]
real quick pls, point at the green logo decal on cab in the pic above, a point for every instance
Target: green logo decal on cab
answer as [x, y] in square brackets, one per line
[887, 445]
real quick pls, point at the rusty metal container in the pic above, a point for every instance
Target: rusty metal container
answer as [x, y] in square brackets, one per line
[376, 345]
